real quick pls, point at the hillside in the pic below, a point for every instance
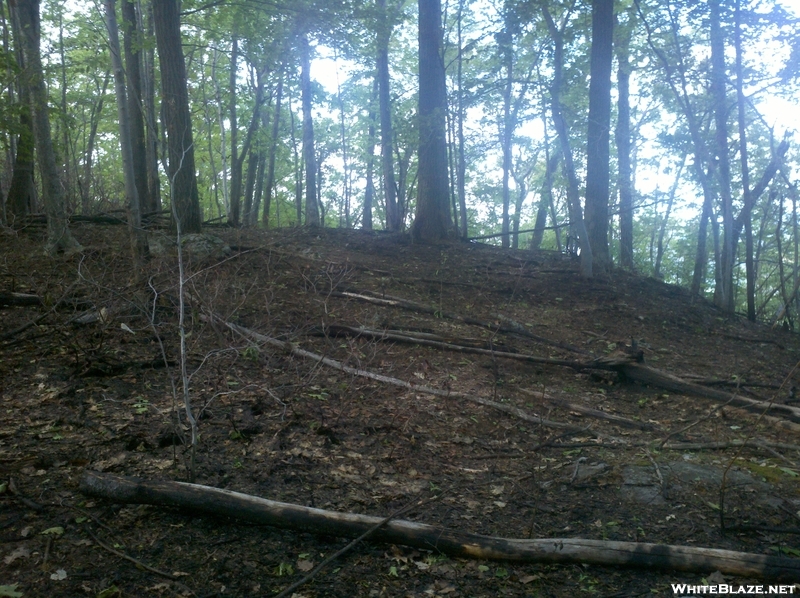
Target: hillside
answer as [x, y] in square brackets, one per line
[517, 413]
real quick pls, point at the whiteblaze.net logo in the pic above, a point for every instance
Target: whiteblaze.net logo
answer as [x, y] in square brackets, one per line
[723, 589]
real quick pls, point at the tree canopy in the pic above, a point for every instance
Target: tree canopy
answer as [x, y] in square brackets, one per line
[640, 134]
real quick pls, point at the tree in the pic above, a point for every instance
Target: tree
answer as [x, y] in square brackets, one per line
[577, 225]
[623, 139]
[309, 154]
[432, 220]
[132, 44]
[394, 221]
[59, 237]
[177, 118]
[597, 151]
[136, 232]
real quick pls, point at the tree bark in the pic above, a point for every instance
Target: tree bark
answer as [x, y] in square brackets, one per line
[724, 292]
[175, 102]
[577, 225]
[597, 150]
[309, 153]
[369, 193]
[623, 139]
[273, 148]
[149, 106]
[394, 221]
[59, 237]
[132, 44]
[432, 221]
[136, 233]
[256, 510]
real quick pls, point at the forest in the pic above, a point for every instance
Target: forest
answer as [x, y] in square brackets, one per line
[381, 298]
[653, 136]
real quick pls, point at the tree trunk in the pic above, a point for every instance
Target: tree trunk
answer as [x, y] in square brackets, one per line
[432, 220]
[577, 226]
[461, 163]
[597, 158]
[394, 220]
[175, 102]
[223, 143]
[136, 232]
[19, 202]
[273, 149]
[369, 193]
[724, 292]
[309, 153]
[59, 237]
[623, 139]
[132, 44]
[149, 105]
[506, 43]
[236, 163]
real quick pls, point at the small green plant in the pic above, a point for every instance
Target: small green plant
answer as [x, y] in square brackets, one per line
[284, 569]
[251, 353]
[141, 405]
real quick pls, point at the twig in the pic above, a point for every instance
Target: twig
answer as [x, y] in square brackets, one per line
[12, 487]
[137, 562]
[350, 546]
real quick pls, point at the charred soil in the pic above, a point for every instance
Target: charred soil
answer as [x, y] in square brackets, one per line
[94, 382]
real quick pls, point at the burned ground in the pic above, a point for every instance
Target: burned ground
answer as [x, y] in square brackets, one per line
[96, 383]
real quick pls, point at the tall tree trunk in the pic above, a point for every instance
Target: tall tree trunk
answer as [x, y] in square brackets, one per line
[346, 183]
[432, 220]
[461, 162]
[273, 148]
[746, 214]
[369, 193]
[21, 193]
[506, 43]
[59, 237]
[724, 293]
[132, 45]
[663, 228]
[175, 103]
[597, 151]
[394, 221]
[236, 163]
[309, 153]
[223, 142]
[149, 105]
[259, 190]
[136, 233]
[577, 226]
[85, 182]
[623, 139]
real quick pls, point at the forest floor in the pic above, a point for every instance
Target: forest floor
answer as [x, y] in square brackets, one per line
[95, 384]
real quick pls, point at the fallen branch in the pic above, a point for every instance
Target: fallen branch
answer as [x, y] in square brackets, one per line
[595, 413]
[515, 411]
[647, 375]
[514, 328]
[450, 542]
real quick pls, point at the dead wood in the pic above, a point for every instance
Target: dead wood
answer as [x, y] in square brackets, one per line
[628, 365]
[510, 409]
[9, 299]
[389, 301]
[454, 543]
[647, 375]
[595, 413]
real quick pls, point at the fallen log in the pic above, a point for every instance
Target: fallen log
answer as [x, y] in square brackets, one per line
[453, 543]
[647, 375]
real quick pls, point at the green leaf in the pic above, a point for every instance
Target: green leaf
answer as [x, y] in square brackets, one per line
[53, 531]
[10, 591]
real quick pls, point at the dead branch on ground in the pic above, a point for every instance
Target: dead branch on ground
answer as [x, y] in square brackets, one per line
[427, 537]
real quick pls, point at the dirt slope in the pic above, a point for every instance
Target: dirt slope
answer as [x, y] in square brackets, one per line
[88, 387]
